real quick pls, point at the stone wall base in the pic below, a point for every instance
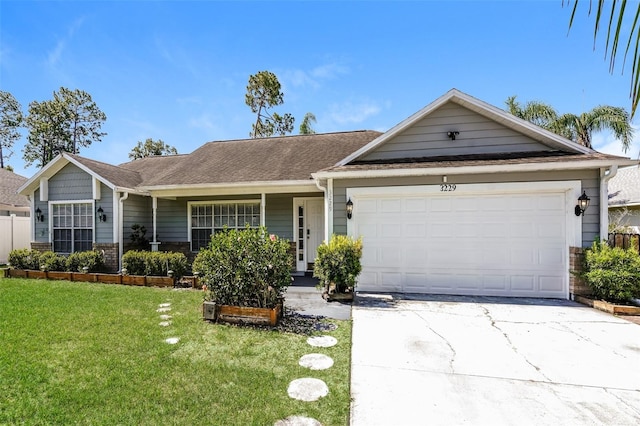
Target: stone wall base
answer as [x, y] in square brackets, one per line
[110, 253]
[41, 247]
[577, 285]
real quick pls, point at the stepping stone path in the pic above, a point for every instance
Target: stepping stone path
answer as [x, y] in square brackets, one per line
[298, 421]
[166, 307]
[309, 388]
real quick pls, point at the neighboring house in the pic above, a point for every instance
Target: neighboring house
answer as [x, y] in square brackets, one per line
[624, 200]
[14, 211]
[459, 198]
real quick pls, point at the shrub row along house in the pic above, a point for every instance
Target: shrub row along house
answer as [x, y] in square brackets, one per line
[459, 198]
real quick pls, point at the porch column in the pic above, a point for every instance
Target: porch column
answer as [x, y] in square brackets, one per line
[328, 203]
[154, 204]
[263, 209]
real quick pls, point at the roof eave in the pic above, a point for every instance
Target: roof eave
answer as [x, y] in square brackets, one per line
[475, 169]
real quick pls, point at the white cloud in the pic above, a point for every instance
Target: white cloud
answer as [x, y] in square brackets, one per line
[352, 113]
[608, 144]
[203, 121]
[313, 77]
[54, 56]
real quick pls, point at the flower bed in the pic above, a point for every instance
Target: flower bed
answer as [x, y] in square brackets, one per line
[140, 280]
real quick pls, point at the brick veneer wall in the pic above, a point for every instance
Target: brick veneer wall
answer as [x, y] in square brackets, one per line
[110, 251]
[577, 286]
[41, 247]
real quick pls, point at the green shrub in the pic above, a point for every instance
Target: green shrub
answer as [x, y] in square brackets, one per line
[613, 274]
[245, 267]
[24, 259]
[91, 259]
[158, 263]
[338, 262]
[51, 261]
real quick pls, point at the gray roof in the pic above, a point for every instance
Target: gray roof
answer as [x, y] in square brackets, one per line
[250, 160]
[624, 187]
[114, 174]
[9, 184]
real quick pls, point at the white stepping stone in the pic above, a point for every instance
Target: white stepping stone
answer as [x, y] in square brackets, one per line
[172, 340]
[164, 305]
[322, 341]
[165, 324]
[163, 309]
[297, 421]
[165, 317]
[307, 389]
[316, 361]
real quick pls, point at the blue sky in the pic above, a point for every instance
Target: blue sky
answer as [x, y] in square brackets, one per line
[178, 70]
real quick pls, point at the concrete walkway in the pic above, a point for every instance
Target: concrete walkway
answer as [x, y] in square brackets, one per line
[306, 299]
[477, 361]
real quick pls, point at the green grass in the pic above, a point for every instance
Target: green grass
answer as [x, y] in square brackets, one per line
[80, 353]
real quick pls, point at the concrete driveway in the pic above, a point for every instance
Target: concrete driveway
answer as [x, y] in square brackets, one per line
[491, 361]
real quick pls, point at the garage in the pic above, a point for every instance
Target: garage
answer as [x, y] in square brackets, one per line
[502, 239]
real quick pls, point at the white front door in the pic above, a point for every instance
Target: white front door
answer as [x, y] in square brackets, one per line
[309, 230]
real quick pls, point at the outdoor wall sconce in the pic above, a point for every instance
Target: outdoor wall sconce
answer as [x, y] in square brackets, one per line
[452, 135]
[349, 209]
[101, 216]
[39, 215]
[583, 203]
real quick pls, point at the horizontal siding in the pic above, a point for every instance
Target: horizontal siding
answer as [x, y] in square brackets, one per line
[104, 230]
[172, 220]
[478, 135]
[589, 179]
[70, 183]
[136, 209]
[41, 228]
[279, 215]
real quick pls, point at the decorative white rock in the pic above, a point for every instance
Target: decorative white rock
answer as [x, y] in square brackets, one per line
[298, 421]
[165, 317]
[316, 361]
[307, 389]
[163, 309]
[322, 341]
[164, 305]
[172, 340]
[165, 324]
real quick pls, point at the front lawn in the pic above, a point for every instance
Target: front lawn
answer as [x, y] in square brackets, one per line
[80, 353]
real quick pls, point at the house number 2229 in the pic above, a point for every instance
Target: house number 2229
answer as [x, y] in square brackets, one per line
[447, 187]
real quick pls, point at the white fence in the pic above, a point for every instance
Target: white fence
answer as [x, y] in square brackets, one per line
[15, 233]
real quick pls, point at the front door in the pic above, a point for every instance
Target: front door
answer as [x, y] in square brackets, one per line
[309, 223]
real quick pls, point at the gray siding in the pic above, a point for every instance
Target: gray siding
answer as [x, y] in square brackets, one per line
[104, 230]
[41, 228]
[478, 135]
[589, 179]
[279, 215]
[136, 209]
[172, 220]
[70, 183]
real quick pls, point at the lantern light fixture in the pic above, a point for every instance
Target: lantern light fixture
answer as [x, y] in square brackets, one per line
[583, 203]
[39, 215]
[102, 217]
[349, 209]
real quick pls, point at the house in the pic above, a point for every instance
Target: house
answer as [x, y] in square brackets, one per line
[459, 198]
[624, 200]
[14, 211]
[10, 201]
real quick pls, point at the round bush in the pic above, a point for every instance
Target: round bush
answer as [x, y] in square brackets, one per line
[613, 274]
[245, 267]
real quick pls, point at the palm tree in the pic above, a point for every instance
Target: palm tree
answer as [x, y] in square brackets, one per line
[577, 128]
[614, 31]
[600, 118]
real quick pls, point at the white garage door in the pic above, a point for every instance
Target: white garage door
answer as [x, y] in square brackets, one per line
[475, 240]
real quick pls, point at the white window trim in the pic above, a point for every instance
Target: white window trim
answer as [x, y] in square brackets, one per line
[190, 204]
[93, 217]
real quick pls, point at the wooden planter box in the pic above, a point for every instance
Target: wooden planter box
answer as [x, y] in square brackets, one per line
[17, 273]
[134, 280]
[59, 275]
[40, 275]
[609, 307]
[241, 314]
[160, 281]
[109, 278]
[81, 276]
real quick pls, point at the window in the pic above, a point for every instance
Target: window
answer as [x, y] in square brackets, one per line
[207, 219]
[72, 227]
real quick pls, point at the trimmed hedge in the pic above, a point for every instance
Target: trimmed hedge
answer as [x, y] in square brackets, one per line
[613, 274]
[139, 262]
[338, 262]
[50, 261]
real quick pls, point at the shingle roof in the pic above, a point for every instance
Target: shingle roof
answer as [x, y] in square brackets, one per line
[114, 174]
[624, 187]
[251, 160]
[9, 184]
